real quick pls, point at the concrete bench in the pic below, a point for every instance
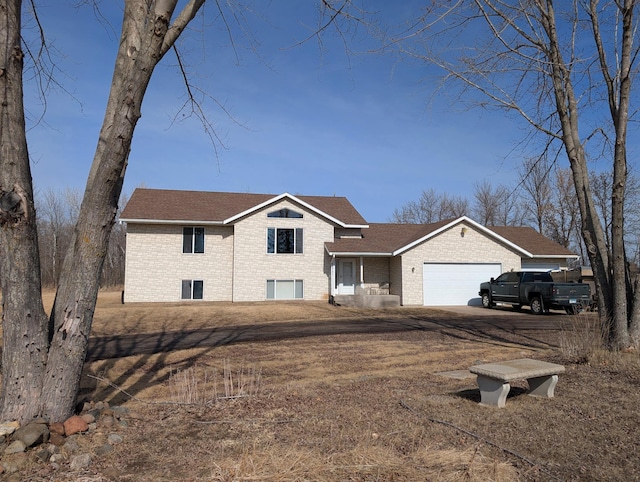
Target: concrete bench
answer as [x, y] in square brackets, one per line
[494, 378]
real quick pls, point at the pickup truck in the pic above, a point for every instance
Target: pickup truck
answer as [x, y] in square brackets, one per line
[536, 289]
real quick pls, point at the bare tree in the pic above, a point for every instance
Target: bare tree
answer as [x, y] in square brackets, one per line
[457, 206]
[496, 206]
[562, 219]
[553, 64]
[55, 226]
[536, 184]
[42, 357]
[602, 185]
[510, 211]
[430, 208]
[57, 216]
[486, 204]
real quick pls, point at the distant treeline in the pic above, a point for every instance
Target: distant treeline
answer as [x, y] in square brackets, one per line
[57, 212]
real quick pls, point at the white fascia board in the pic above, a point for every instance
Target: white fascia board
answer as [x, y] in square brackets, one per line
[296, 200]
[473, 223]
[358, 253]
[355, 253]
[189, 222]
[254, 208]
[556, 256]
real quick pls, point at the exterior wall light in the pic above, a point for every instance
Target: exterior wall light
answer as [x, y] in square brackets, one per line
[462, 232]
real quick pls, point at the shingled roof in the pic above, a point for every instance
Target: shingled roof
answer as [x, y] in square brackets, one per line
[392, 239]
[532, 241]
[160, 205]
[173, 206]
[383, 239]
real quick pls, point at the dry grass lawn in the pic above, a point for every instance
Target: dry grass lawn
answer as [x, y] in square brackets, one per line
[352, 405]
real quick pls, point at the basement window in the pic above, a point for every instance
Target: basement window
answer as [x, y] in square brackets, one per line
[192, 289]
[285, 289]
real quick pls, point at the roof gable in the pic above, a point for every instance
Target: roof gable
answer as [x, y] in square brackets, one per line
[395, 239]
[382, 239]
[448, 224]
[172, 206]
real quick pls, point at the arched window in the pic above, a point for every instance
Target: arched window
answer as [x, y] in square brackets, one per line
[284, 213]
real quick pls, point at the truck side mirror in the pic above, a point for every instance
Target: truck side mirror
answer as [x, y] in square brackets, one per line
[492, 280]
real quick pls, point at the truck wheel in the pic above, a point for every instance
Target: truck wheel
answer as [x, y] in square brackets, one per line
[537, 307]
[486, 300]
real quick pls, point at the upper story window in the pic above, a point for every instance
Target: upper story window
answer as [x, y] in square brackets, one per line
[192, 240]
[284, 240]
[284, 213]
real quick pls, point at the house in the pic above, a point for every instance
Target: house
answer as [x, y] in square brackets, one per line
[217, 246]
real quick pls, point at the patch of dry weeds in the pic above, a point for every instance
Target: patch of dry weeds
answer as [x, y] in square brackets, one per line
[359, 406]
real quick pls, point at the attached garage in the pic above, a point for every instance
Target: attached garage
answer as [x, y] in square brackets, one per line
[456, 283]
[455, 257]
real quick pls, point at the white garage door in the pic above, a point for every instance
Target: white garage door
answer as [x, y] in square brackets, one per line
[456, 284]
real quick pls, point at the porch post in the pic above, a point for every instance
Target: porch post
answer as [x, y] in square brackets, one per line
[361, 271]
[333, 275]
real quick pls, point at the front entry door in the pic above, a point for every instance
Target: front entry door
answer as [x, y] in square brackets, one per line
[346, 276]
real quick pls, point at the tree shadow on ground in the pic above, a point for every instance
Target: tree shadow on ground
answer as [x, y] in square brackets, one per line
[148, 369]
[525, 333]
[534, 334]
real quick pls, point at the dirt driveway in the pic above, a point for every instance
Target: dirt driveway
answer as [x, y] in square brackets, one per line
[501, 324]
[497, 311]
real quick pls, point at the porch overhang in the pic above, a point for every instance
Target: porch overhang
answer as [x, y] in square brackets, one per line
[360, 255]
[355, 254]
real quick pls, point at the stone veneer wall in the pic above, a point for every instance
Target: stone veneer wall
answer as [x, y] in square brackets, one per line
[395, 268]
[253, 266]
[376, 270]
[155, 265]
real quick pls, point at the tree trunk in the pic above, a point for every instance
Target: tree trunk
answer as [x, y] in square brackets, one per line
[618, 99]
[80, 274]
[24, 320]
[43, 359]
[592, 232]
[620, 115]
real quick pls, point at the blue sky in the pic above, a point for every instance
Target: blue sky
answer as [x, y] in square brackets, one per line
[305, 120]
